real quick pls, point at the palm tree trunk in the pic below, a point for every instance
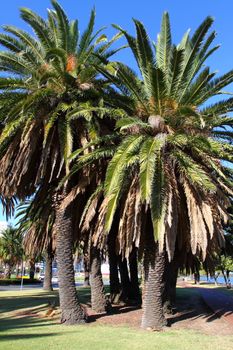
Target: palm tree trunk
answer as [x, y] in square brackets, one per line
[154, 266]
[115, 287]
[133, 268]
[224, 276]
[71, 310]
[167, 302]
[8, 271]
[125, 281]
[17, 270]
[32, 269]
[86, 264]
[174, 275]
[98, 298]
[47, 285]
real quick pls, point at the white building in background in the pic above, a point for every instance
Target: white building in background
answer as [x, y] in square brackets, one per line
[3, 226]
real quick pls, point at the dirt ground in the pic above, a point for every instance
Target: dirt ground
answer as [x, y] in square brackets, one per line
[191, 313]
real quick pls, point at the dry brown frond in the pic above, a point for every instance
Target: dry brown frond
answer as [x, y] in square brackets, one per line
[199, 238]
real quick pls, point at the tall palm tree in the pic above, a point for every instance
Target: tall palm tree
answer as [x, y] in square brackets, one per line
[36, 223]
[50, 100]
[166, 176]
[11, 249]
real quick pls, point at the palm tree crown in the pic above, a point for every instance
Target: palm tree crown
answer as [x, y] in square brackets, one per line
[48, 82]
[168, 161]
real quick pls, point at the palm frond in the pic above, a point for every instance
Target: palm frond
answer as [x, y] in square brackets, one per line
[164, 44]
[149, 152]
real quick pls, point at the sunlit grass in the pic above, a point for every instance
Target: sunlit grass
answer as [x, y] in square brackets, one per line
[21, 331]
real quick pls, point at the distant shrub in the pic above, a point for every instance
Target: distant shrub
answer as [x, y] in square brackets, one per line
[17, 281]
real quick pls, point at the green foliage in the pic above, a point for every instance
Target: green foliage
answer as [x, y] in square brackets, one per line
[11, 248]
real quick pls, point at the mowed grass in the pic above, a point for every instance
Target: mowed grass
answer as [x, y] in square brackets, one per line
[26, 331]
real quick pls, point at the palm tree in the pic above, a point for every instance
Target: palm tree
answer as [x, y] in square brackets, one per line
[11, 249]
[166, 176]
[50, 101]
[36, 224]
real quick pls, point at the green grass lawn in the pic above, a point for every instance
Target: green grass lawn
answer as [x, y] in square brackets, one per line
[30, 332]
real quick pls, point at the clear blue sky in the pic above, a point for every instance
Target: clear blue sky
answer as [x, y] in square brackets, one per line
[183, 15]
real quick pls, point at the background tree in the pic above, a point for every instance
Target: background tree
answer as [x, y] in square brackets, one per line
[11, 249]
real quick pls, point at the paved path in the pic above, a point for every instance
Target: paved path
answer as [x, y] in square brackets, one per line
[219, 302]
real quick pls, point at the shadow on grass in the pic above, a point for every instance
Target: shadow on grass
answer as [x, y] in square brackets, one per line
[13, 337]
[37, 297]
[190, 306]
[26, 306]
[23, 301]
[194, 303]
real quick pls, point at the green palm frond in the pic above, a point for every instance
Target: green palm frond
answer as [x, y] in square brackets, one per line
[73, 36]
[215, 86]
[198, 87]
[149, 153]
[191, 54]
[174, 70]
[192, 171]
[28, 42]
[144, 51]
[12, 83]
[52, 22]
[9, 62]
[164, 44]
[59, 53]
[63, 28]
[86, 37]
[217, 109]
[118, 165]
[158, 199]
[130, 39]
[11, 43]
[39, 26]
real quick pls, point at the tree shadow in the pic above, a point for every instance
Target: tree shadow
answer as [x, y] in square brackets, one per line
[194, 303]
[10, 337]
[220, 303]
[116, 310]
[190, 306]
[23, 301]
[9, 323]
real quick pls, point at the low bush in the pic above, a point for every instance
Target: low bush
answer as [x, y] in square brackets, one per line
[17, 281]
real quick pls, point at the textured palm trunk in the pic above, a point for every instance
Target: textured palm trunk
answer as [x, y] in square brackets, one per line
[133, 268]
[224, 276]
[47, 285]
[154, 266]
[32, 269]
[125, 281]
[17, 270]
[174, 275]
[8, 271]
[86, 266]
[98, 299]
[167, 302]
[71, 310]
[115, 287]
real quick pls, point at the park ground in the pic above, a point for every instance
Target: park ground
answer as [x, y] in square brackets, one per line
[29, 319]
